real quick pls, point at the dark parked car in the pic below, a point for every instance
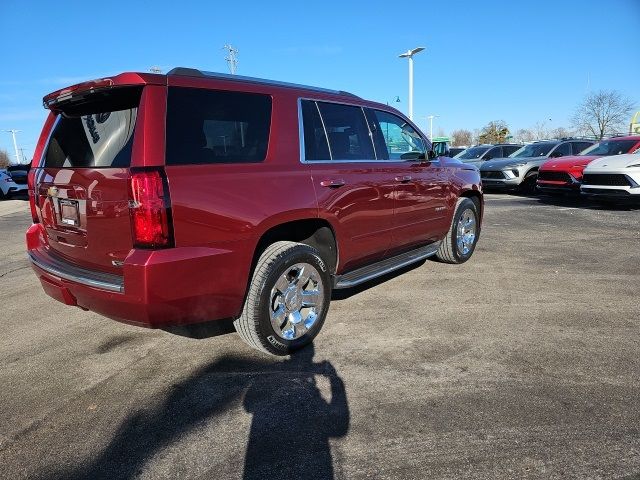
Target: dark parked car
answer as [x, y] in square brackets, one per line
[520, 170]
[167, 200]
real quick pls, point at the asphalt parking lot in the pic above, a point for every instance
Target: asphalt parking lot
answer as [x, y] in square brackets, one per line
[522, 363]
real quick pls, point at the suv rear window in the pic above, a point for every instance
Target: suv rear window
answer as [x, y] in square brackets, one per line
[215, 126]
[95, 132]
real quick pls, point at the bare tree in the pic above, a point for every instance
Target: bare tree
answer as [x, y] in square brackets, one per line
[560, 132]
[496, 131]
[540, 131]
[461, 137]
[524, 135]
[475, 138]
[4, 159]
[603, 112]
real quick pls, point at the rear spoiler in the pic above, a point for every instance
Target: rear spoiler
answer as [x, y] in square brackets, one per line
[80, 90]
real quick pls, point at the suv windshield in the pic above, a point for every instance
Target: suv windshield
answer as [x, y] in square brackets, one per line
[533, 150]
[610, 147]
[472, 153]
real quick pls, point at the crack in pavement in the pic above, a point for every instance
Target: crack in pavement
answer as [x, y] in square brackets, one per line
[14, 270]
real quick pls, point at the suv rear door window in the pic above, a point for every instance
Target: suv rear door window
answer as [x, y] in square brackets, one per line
[96, 132]
[347, 131]
[216, 126]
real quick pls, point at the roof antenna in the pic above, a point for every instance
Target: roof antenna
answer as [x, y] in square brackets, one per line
[155, 69]
[231, 59]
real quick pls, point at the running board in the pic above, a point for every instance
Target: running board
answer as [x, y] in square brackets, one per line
[369, 272]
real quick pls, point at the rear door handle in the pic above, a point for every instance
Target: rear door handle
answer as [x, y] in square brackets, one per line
[333, 183]
[404, 179]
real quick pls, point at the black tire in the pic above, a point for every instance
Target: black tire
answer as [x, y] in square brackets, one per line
[2, 195]
[254, 325]
[449, 252]
[528, 185]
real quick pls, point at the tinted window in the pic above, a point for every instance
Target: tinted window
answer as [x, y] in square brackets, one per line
[509, 149]
[315, 139]
[472, 153]
[564, 149]
[611, 147]
[401, 140]
[495, 152]
[541, 149]
[348, 132]
[215, 126]
[96, 132]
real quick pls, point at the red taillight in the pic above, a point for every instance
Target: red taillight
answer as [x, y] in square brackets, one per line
[150, 209]
[31, 189]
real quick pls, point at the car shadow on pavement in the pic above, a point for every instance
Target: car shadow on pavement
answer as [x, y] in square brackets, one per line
[290, 429]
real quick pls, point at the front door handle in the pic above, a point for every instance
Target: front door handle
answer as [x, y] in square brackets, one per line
[333, 183]
[404, 179]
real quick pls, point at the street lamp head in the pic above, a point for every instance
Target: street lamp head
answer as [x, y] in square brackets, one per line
[411, 53]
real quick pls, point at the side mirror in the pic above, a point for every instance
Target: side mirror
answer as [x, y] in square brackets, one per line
[555, 154]
[431, 155]
[412, 156]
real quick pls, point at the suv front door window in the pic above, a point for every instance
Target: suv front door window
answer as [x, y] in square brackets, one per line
[561, 150]
[401, 139]
[495, 152]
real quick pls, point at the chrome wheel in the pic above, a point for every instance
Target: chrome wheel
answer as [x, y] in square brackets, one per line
[297, 299]
[466, 232]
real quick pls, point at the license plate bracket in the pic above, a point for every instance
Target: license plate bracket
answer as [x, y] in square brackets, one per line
[69, 212]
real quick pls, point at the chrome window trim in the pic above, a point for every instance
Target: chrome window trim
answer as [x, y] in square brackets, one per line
[324, 127]
[373, 143]
[103, 281]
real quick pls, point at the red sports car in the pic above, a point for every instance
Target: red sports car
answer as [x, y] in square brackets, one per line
[565, 174]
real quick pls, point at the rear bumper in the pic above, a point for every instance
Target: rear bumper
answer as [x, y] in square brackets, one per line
[158, 288]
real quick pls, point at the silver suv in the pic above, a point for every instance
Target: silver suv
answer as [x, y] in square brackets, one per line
[520, 170]
[479, 154]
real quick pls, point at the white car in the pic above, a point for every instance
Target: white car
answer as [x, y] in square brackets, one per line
[613, 178]
[8, 187]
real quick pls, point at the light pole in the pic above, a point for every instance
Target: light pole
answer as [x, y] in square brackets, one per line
[409, 54]
[232, 59]
[431, 117]
[15, 143]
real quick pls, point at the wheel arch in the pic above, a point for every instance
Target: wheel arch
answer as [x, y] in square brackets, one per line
[476, 197]
[315, 232]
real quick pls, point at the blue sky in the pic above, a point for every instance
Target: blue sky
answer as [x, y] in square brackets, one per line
[523, 62]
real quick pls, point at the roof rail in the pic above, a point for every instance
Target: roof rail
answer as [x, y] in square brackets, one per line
[193, 72]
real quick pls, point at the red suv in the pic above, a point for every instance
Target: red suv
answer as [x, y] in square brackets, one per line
[168, 200]
[565, 174]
